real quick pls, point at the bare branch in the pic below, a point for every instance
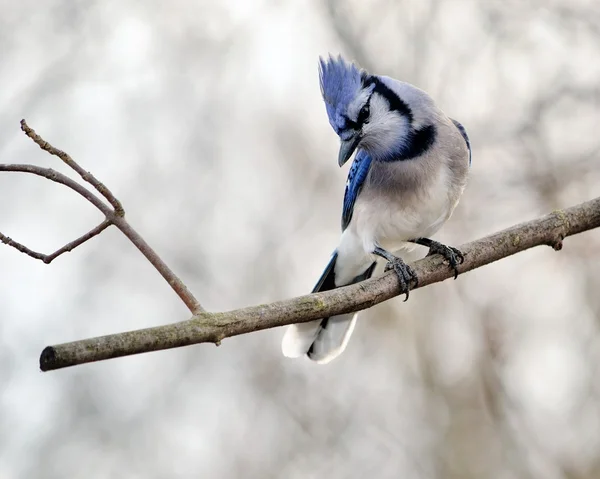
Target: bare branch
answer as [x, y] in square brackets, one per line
[57, 177]
[48, 258]
[170, 277]
[66, 158]
[213, 327]
[114, 216]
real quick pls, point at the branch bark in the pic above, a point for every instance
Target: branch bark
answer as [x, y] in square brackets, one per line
[214, 327]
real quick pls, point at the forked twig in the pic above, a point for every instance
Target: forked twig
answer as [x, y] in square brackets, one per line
[66, 158]
[114, 215]
[48, 258]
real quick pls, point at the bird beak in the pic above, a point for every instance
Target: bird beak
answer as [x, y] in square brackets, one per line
[347, 147]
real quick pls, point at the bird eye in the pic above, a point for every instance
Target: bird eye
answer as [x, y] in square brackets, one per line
[363, 116]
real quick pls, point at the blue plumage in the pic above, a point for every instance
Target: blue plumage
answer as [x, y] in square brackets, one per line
[356, 177]
[340, 83]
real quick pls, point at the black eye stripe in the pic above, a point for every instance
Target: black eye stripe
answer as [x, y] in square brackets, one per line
[350, 124]
[395, 102]
[363, 115]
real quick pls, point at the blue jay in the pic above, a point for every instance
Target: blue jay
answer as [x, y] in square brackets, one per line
[409, 171]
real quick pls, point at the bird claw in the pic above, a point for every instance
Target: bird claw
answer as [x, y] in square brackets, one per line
[405, 274]
[452, 255]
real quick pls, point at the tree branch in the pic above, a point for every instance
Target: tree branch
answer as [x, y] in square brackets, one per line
[213, 327]
[61, 179]
[66, 158]
[114, 215]
[48, 258]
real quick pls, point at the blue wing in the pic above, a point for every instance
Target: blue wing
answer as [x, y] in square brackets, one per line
[463, 132]
[356, 177]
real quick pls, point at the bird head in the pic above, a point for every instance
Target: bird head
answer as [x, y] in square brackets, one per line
[362, 110]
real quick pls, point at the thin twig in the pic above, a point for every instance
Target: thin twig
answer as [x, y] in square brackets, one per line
[48, 258]
[58, 177]
[66, 158]
[213, 327]
[113, 216]
[178, 286]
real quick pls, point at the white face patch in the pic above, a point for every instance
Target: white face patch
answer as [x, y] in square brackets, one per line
[386, 130]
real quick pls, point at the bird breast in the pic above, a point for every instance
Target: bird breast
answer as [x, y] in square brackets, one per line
[401, 201]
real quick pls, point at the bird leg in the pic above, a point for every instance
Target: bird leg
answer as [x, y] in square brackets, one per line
[405, 273]
[452, 255]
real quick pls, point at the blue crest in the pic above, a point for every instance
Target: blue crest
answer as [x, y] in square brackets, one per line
[340, 83]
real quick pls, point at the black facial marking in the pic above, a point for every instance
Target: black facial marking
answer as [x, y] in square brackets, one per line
[350, 124]
[363, 117]
[419, 142]
[395, 102]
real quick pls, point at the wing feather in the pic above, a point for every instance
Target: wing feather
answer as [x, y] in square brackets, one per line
[463, 132]
[356, 178]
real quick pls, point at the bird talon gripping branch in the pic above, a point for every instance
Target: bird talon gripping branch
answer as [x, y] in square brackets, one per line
[452, 255]
[405, 274]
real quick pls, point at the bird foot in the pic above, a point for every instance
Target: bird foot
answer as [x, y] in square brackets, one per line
[405, 274]
[452, 255]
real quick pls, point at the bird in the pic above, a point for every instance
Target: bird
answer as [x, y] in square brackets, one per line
[409, 171]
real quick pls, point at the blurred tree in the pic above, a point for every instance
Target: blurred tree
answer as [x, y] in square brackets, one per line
[208, 116]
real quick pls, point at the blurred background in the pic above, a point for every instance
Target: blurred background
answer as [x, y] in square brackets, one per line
[205, 119]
